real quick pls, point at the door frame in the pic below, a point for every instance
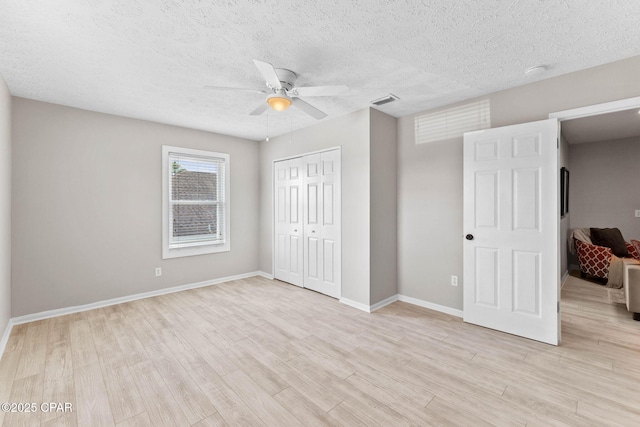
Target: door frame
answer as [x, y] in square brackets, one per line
[576, 113]
[597, 109]
[273, 200]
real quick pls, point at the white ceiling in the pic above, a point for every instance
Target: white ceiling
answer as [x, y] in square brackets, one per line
[150, 59]
[603, 127]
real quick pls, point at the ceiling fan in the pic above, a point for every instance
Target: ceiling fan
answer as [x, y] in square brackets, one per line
[282, 92]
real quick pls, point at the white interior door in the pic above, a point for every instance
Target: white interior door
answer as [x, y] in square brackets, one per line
[511, 217]
[288, 221]
[322, 248]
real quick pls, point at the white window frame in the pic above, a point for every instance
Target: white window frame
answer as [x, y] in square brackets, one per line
[193, 248]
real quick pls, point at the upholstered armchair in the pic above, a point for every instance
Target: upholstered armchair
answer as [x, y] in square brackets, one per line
[595, 260]
[619, 267]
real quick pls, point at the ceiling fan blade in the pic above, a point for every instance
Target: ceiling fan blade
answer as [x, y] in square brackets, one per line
[261, 109]
[321, 90]
[234, 89]
[309, 109]
[269, 73]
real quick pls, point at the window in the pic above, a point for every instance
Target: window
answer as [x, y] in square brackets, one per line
[453, 122]
[195, 199]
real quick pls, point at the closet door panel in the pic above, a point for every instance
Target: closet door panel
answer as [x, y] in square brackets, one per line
[288, 221]
[312, 204]
[322, 223]
[328, 261]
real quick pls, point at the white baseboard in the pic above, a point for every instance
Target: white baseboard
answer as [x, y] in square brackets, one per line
[356, 304]
[403, 298]
[564, 278]
[105, 303]
[265, 275]
[5, 337]
[369, 308]
[431, 306]
[383, 303]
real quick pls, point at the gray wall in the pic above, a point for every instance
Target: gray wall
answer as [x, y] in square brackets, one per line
[429, 218]
[5, 206]
[605, 185]
[430, 175]
[87, 207]
[384, 231]
[351, 132]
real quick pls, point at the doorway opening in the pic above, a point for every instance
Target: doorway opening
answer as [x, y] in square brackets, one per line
[601, 149]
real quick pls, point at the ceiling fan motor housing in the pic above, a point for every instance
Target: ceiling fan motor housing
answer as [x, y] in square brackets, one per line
[287, 78]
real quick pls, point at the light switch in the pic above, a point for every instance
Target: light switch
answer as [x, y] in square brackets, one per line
[637, 213]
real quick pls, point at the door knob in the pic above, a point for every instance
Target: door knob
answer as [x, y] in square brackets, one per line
[469, 237]
[313, 231]
[295, 231]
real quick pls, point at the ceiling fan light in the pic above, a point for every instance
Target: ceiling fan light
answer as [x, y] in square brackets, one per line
[279, 102]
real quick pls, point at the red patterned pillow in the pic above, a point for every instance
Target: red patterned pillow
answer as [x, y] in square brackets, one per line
[636, 245]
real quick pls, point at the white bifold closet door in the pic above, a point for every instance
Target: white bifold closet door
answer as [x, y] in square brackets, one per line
[307, 222]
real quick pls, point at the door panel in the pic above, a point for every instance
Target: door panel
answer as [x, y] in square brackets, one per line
[282, 203]
[313, 259]
[312, 203]
[527, 145]
[294, 205]
[295, 261]
[487, 277]
[312, 165]
[288, 222]
[312, 228]
[322, 223]
[511, 272]
[327, 167]
[327, 203]
[486, 150]
[526, 282]
[328, 260]
[283, 252]
[526, 199]
[486, 215]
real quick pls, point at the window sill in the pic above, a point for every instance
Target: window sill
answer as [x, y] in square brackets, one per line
[195, 250]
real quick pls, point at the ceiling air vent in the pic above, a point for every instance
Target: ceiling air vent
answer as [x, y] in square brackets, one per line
[385, 100]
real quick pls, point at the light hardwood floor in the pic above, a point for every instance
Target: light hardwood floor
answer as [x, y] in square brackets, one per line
[259, 352]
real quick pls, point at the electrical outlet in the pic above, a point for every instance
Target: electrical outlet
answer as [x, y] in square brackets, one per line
[637, 213]
[158, 271]
[454, 280]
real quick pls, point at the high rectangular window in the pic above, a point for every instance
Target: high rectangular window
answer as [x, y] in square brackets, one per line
[452, 122]
[195, 202]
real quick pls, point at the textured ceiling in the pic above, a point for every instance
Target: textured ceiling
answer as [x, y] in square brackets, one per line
[150, 59]
[603, 127]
